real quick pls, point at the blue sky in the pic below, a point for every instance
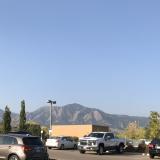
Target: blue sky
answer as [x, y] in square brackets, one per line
[103, 54]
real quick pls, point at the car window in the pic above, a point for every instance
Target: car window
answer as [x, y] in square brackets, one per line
[109, 136]
[156, 141]
[12, 140]
[1, 140]
[32, 141]
[9, 140]
[97, 135]
[69, 139]
[64, 138]
[54, 137]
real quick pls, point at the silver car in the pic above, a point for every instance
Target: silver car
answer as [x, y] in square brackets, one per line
[22, 147]
[62, 142]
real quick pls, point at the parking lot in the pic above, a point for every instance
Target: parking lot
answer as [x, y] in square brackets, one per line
[75, 155]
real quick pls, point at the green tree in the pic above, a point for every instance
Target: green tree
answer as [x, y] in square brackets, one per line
[45, 132]
[133, 131]
[22, 119]
[33, 128]
[1, 127]
[7, 120]
[153, 128]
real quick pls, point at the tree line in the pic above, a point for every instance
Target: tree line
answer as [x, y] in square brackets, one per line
[24, 125]
[152, 130]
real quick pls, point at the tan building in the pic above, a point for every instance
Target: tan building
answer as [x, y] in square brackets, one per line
[77, 130]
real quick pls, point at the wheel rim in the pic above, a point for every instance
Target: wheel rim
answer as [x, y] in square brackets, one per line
[13, 158]
[101, 150]
[121, 149]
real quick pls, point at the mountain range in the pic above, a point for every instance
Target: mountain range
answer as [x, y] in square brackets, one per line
[78, 114]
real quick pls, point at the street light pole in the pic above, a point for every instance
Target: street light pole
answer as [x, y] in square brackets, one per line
[51, 102]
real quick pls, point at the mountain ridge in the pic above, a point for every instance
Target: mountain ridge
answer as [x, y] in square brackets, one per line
[78, 114]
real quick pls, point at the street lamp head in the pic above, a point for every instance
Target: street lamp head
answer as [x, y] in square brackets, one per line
[49, 101]
[52, 102]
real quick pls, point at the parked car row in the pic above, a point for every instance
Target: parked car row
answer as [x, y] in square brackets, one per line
[104, 141]
[22, 146]
[96, 141]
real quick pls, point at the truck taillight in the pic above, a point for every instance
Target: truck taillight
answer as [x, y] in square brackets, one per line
[151, 146]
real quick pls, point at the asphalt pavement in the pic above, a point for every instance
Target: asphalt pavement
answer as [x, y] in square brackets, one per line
[75, 155]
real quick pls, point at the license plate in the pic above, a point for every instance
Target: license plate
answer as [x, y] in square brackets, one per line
[37, 150]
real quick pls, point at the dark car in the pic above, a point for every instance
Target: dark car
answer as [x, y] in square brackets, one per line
[22, 147]
[154, 148]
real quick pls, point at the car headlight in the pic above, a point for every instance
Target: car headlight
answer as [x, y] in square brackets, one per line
[94, 142]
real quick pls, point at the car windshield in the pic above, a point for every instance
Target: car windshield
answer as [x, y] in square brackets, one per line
[54, 138]
[155, 141]
[32, 141]
[97, 135]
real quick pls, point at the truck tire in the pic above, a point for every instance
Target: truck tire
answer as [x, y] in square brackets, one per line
[75, 147]
[82, 151]
[120, 148]
[151, 156]
[100, 149]
[62, 147]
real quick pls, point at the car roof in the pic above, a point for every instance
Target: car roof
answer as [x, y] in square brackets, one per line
[102, 132]
[19, 132]
[18, 135]
[59, 137]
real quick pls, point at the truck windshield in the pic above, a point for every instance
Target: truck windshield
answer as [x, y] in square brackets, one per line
[97, 135]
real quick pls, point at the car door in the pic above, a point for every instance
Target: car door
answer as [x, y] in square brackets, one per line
[109, 141]
[64, 142]
[2, 148]
[70, 142]
[6, 146]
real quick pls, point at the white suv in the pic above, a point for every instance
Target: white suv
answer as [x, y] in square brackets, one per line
[62, 142]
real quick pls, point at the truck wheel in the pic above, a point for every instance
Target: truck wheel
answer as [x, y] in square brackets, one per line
[62, 147]
[151, 156]
[120, 148]
[100, 150]
[82, 151]
[75, 147]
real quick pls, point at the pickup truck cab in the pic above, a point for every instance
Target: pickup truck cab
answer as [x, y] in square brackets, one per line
[101, 142]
